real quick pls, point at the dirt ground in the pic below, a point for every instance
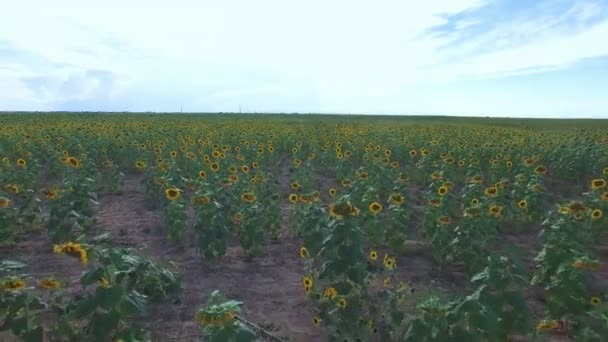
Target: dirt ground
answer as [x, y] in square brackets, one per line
[269, 286]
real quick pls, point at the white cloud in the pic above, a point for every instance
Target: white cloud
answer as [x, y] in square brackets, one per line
[324, 55]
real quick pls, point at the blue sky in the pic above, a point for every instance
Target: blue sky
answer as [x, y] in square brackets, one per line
[541, 58]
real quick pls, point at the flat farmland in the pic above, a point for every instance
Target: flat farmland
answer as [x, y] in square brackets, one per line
[226, 227]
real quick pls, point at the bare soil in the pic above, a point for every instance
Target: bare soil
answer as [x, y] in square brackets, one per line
[269, 286]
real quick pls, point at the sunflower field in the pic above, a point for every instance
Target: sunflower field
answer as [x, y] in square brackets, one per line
[225, 227]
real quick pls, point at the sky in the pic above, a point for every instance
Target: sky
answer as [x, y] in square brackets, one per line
[518, 58]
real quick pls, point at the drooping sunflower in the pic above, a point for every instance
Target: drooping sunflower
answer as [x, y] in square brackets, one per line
[248, 197]
[599, 183]
[73, 162]
[50, 193]
[4, 202]
[471, 212]
[397, 199]
[173, 193]
[72, 249]
[295, 185]
[49, 284]
[140, 165]
[444, 220]
[495, 210]
[375, 208]
[330, 293]
[491, 192]
[12, 188]
[475, 202]
[604, 197]
[304, 252]
[541, 170]
[477, 179]
[316, 321]
[13, 284]
[435, 202]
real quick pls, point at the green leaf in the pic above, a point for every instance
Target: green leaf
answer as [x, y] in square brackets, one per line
[34, 335]
[83, 307]
[108, 297]
[104, 324]
[91, 276]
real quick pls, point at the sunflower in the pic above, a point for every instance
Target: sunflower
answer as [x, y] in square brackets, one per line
[13, 284]
[255, 165]
[72, 249]
[597, 214]
[345, 183]
[304, 252]
[50, 193]
[342, 303]
[201, 200]
[248, 197]
[330, 293]
[435, 202]
[491, 192]
[605, 171]
[373, 255]
[202, 174]
[316, 321]
[413, 153]
[375, 208]
[307, 282]
[442, 191]
[394, 164]
[595, 301]
[540, 170]
[140, 165]
[474, 202]
[471, 212]
[435, 175]
[12, 188]
[477, 179]
[461, 163]
[509, 163]
[523, 204]
[214, 167]
[293, 198]
[495, 210]
[172, 193]
[389, 263]
[21, 162]
[529, 161]
[49, 284]
[397, 199]
[599, 183]
[73, 162]
[445, 220]
[4, 202]
[295, 185]
[605, 197]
